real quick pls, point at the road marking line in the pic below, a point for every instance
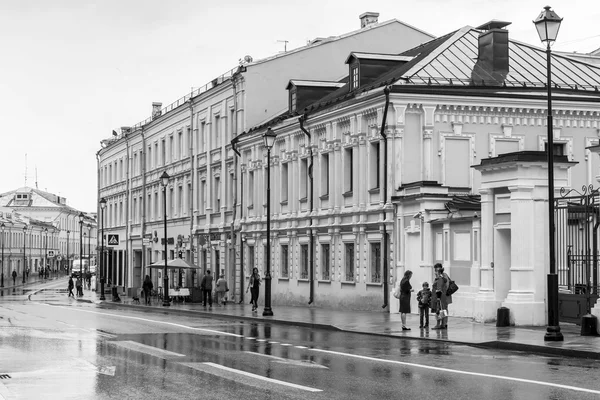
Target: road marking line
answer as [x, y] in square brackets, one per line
[262, 378]
[143, 348]
[506, 378]
[152, 320]
[285, 344]
[298, 363]
[261, 340]
[301, 347]
[271, 342]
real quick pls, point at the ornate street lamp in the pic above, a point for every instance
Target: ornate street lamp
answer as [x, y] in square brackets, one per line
[102, 273]
[46, 253]
[81, 217]
[547, 25]
[164, 179]
[24, 256]
[269, 140]
[2, 277]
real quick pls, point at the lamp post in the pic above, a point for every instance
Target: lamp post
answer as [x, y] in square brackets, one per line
[2, 278]
[24, 256]
[164, 179]
[89, 253]
[547, 25]
[269, 140]
[67, 255]
[81, 217]
[102, 273]
[46, 253]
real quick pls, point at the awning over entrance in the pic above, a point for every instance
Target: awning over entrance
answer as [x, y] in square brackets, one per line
[178, 263]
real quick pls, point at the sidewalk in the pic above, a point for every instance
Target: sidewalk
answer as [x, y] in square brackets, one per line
[460, 330]
[32, 278]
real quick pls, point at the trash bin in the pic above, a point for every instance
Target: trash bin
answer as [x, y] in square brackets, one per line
[196, 295]
[503, 317]
[588, 325]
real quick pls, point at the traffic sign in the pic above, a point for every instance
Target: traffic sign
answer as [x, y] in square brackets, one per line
[50, 253]
[146, 241]
[113, 239]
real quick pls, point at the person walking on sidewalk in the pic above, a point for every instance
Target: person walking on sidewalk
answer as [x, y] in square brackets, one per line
[253, 286]
[71, 287]
[405, 289]
[424, 299]
[147, 287]
[14, 275]
[221, 290]
[440, 286]
[206, 286]
[79, 287]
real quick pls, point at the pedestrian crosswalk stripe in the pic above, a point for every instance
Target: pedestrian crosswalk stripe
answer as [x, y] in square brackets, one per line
[142, 348]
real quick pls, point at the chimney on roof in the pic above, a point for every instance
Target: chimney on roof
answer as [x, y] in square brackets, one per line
[492, 57]
[156, 110]
[367, 19]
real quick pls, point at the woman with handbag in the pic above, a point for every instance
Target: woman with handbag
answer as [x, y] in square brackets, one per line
[253, 286]
[405, 289]
[440, 286]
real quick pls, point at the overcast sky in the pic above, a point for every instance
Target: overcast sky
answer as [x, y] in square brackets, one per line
[71, 71]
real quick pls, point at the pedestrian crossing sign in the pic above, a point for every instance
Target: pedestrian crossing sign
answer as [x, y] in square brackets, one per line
[113, 240]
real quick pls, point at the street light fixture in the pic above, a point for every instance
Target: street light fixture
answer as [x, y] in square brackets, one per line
[164, 179]
[46, 253]
[24, 256]
[2, 278]
[547, 25]
[269, 140]
[81, 217]
[102, 273]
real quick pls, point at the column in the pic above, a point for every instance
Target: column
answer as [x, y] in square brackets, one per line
[486, 303]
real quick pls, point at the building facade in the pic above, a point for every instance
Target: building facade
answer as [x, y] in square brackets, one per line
[52, 235]
[191, 141]
[435, 154]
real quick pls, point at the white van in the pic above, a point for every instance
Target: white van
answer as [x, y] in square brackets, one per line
[77, 266]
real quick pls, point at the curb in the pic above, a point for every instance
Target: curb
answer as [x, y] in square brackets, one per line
[495, 345]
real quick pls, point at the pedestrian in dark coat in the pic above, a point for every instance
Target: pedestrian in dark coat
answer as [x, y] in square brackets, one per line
[441, 300]
[14, 275]
[147, 287]
[71, 287]
[405, 289]
[253, 286]
[424, 299]
[79, 287]
[206, 286]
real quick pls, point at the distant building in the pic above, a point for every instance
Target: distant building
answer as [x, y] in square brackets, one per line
[52, 230]
[191, 140]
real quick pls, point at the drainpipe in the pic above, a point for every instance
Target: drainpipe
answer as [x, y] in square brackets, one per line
[128, 244]
[145, 263]
[311, 280]
[233, 239]
[193, 181]
[234, 142]
[98, 270]
[385, 200]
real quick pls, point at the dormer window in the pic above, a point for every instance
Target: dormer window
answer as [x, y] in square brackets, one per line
[355, 76]
[293, 99]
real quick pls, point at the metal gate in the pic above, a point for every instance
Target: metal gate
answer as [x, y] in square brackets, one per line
[576, 233]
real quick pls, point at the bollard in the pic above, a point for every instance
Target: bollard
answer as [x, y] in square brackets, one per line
[503, 317]
[589, 323]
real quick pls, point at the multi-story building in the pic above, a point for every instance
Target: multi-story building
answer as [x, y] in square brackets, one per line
[52, 231]
[416, 158]
[191, 140]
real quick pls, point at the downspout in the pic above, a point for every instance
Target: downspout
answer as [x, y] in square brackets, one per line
[193, 181]
[128, 244]
[233, 239]
[233, 144]
[385, 199]
[145, 262]
[97, 213]
[311, 273]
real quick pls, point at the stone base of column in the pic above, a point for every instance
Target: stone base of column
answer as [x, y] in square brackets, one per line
[485, 306]
[596, 312]
[524, 309]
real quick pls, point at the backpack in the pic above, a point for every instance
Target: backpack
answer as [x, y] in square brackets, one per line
[425, 297]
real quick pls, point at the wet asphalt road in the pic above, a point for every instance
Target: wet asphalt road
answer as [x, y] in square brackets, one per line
[53, 347]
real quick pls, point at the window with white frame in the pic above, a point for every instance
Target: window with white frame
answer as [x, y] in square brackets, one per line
[355, 76]
[180, 145]
[376, 262]
[284, 182]
[303, 178]
[171, 148]
[325, 174]
[171, 205]
[250, 261]
[251, 189]
[349, 262]
[216, 130]
[203, 196]
[284, 261]
[180, 200]
[217, 194]
[156, 204]
[348, 169]
[163, 152]
[325, 262]
[374, 169]
[304, 261]
[201, 136]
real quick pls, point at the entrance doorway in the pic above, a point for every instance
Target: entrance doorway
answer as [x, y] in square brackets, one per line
[502, 262]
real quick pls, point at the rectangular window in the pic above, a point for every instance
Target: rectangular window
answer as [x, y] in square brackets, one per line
[135, 165]
[217, 202]
[303, 178]
[217, 132]
[149, 206]
[251, 189]
[156, 160]
[304, 261]
[348, 169]
[134, 211]
[293, 97]
[121, 218]
[559, 148]
[163, 152]
[250, 261]
[325, 174]
[171, 204]
[349, 261]
[188, 151]
[284, 261]
[374, 165]
[284, 182]
[202, 197]
[201, 136]
[325, 262]
[179, 145]
[180, 200]
[232, 123]
[156, 204]
[376, 262]
[355, 80]
[171, 148]
[149, 160]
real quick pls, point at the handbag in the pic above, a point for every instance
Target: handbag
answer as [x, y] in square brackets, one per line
[396, 292]
[452, 288]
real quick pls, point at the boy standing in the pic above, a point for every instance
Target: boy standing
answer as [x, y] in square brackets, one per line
[424, 299]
